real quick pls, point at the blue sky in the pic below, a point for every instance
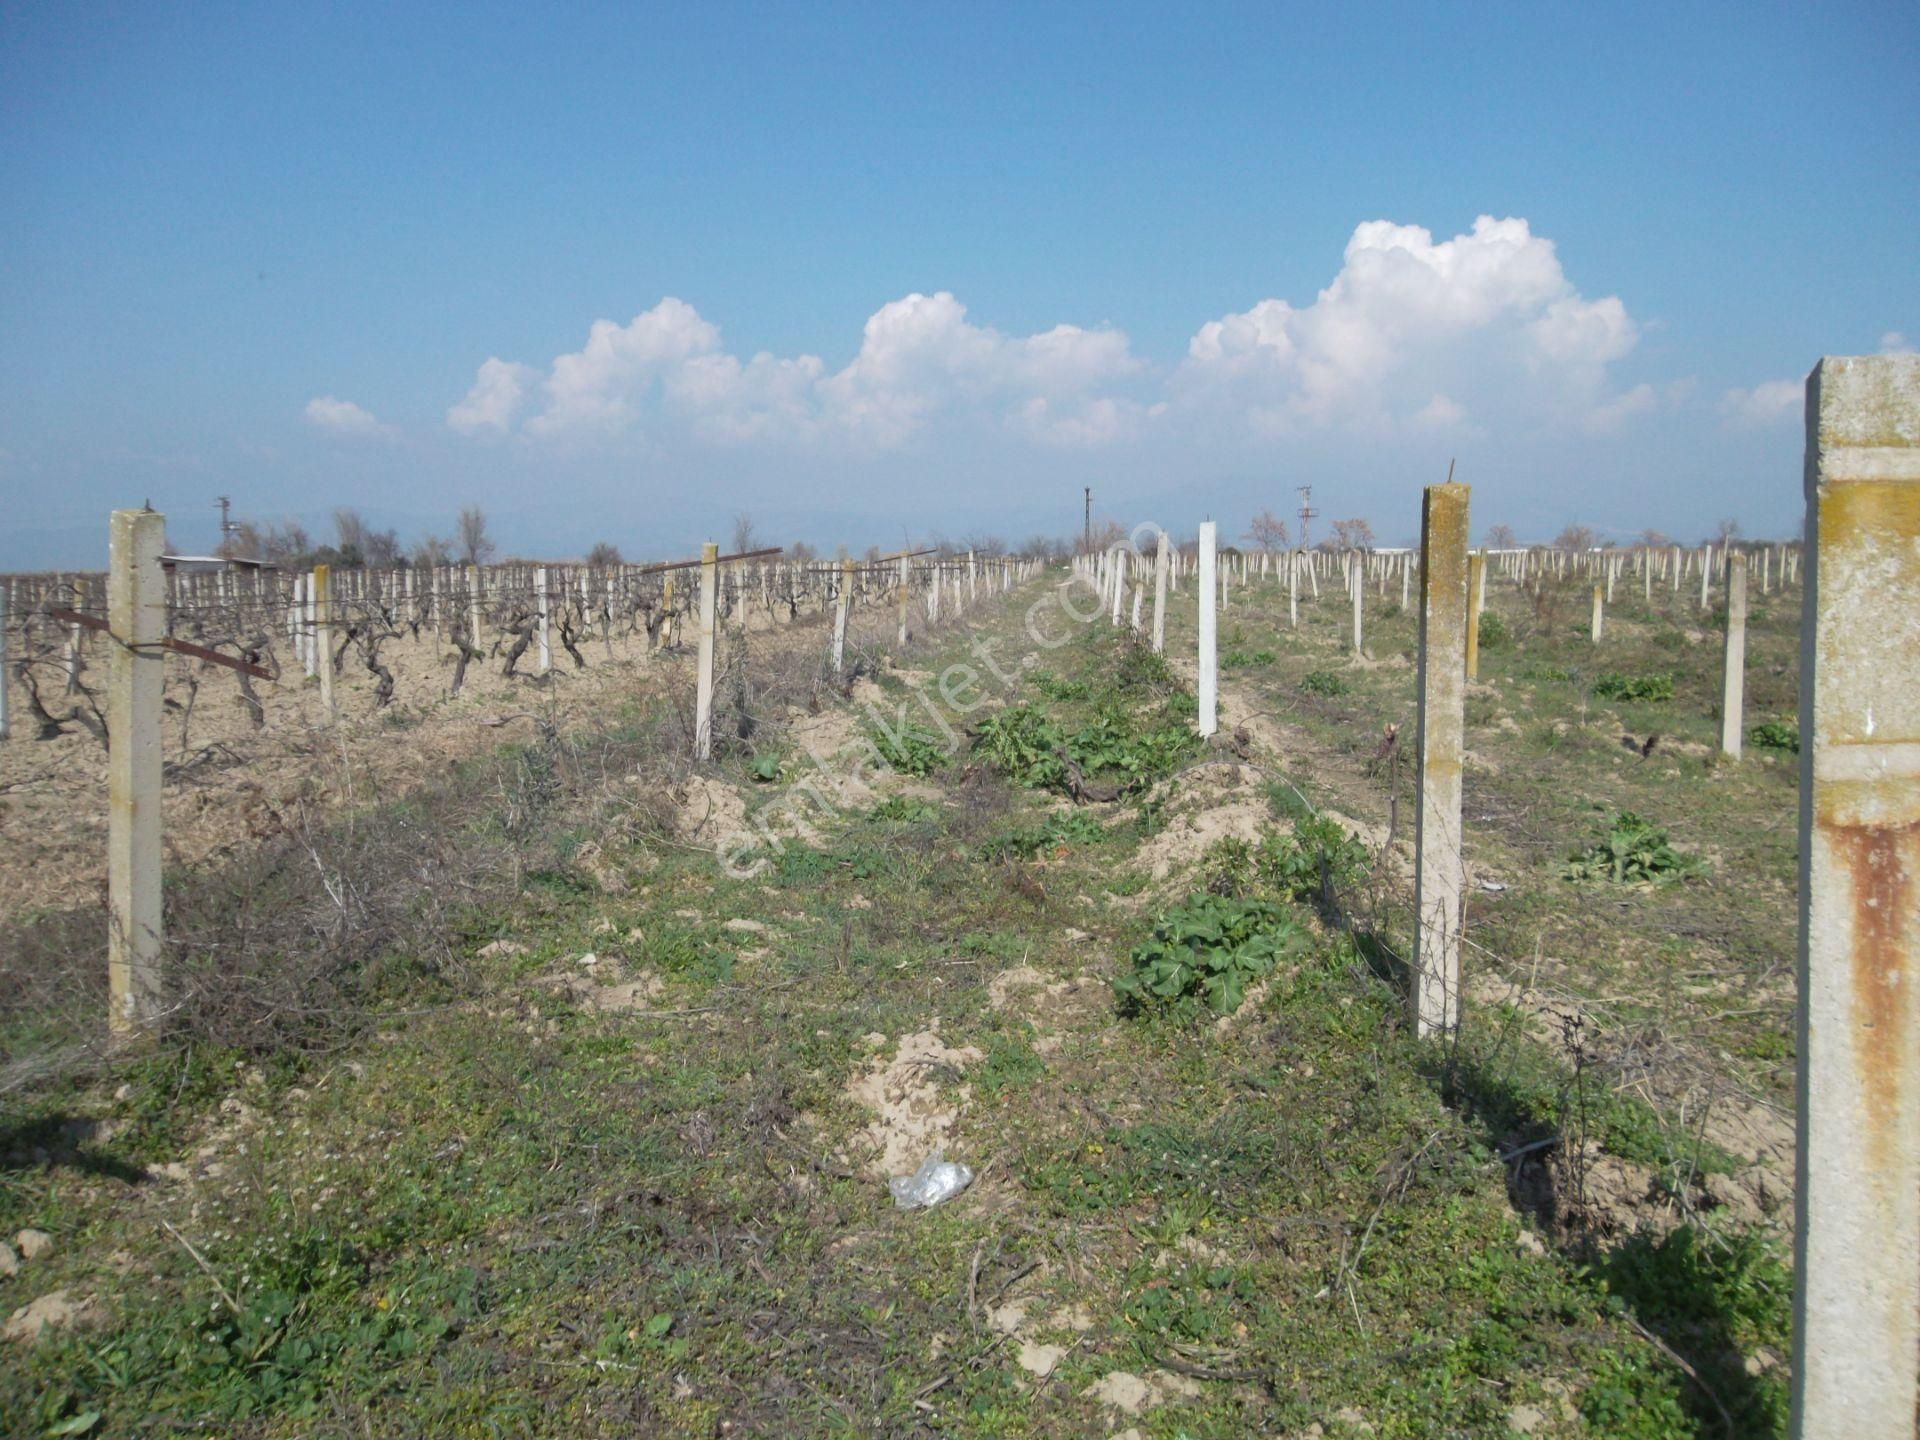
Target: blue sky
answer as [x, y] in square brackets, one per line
[358, 255]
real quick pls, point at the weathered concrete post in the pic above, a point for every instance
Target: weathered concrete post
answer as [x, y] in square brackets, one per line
[1857, 1218]
[1356, 582]
[137, 620]
[703, 675]
[1293, 589]
[1439, 867]
[544, 600]
[1205, 589]
[5, 672]
[1599, 614]
[840, 603]
[1119, 581]
[1706, 577]
[473, 606]
[323, 638]
[1160, 594]
[1733, 685]
[904, 572]
[1476, 597]
[309, 649]
[78, 600]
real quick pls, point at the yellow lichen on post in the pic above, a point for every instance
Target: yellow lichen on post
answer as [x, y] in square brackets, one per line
[1439, 865]
[137, 621]
[1857, 1216]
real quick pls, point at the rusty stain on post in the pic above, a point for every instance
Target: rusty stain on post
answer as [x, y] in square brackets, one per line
[1857, 1219]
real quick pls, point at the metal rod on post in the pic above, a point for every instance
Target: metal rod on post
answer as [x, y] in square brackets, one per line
[137, 619]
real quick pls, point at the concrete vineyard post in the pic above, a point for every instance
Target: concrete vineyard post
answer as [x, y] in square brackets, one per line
[74, 632]
[1476, 597]
[323, 638]
[1205, 590]
[1439, 867]
[1119, 582]
[1160, 566]
[137, 620]
[309, 650]
[1356, 582]
[703, 683]
[904, 572]
[4, 672]
[1857, 1214]
[544, 600]
[473, 606]
[1706, 576]
[1733, 685]
[840, 603]
[1293, 589]
[1599, 614]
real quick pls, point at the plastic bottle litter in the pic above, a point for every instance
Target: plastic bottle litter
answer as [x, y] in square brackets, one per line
[937, 1179]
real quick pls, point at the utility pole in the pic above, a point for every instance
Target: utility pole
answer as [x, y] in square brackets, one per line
[1086, 543]
[1307, 512]
[226, 526]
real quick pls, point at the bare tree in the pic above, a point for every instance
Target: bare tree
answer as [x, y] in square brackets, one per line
[982, 543]
[382, 548]
[1654, 539]
[350, 535]
[802, 553]
[431, 550]
[1574, 537]
[1500, 537]
[288, 542]
[476, 547]
[244, 542]
[744, 538]
[1727, 530]
[605, 553]
[1355, 534]
[1268, 531]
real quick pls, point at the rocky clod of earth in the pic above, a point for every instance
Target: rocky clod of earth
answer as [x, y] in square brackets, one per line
[56, 1310]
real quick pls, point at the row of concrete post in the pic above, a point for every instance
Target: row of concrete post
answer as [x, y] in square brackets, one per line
[1856, 1371]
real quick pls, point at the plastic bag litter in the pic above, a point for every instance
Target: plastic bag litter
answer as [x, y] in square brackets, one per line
[937, 1179]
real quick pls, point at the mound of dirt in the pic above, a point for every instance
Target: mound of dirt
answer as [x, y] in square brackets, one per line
[917, 1099]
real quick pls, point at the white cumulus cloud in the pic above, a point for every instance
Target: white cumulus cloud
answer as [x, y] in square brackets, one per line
[1894, 343]
[495, 401]
[343, 417]
[920, 358]
[1483, 334]
[1771, 402]
[1489, 315]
